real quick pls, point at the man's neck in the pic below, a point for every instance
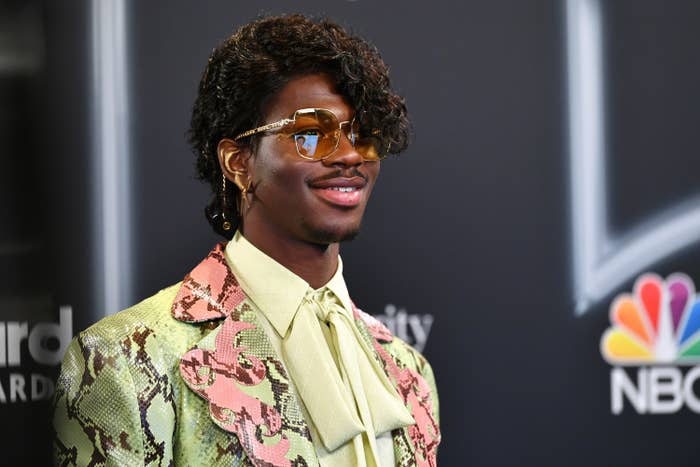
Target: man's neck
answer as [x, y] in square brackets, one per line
[314, 263]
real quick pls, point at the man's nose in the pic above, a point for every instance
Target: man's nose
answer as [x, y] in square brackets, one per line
[345, 154]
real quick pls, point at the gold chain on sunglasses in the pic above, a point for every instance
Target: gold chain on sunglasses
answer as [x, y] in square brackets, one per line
[269, 126]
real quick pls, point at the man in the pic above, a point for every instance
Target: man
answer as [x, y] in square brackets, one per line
[259, 357]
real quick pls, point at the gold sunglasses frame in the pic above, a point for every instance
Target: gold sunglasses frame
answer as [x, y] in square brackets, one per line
[286, 121]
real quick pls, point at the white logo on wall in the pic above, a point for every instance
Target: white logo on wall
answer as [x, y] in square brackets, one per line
[47, 342]
[412, 328]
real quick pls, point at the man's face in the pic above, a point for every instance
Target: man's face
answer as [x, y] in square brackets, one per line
[300, 198]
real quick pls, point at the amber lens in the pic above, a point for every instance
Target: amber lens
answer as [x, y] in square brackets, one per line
[370, 147]
[316, 133]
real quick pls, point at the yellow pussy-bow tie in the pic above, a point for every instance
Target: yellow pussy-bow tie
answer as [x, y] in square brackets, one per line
[344, 389]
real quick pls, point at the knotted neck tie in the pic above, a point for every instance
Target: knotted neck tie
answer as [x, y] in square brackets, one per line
[344, 389]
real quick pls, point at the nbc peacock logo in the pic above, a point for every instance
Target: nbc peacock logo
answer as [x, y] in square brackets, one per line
[653, 339]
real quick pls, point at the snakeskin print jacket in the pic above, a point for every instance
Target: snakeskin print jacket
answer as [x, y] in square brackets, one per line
[188, 377]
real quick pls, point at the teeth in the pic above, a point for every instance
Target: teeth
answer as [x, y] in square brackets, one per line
[345, 189]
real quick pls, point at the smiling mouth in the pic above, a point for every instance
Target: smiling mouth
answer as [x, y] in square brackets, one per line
[344, 192]
[340, 196]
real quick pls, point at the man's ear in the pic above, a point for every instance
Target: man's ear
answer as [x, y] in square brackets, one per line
[233, 158]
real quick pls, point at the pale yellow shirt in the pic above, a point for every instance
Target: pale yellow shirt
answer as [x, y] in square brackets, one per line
[278, 293]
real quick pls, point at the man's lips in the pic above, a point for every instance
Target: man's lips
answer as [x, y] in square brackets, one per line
[340, 191]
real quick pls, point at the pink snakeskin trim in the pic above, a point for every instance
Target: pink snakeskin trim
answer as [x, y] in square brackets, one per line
[376, 327]
[209, 291]
[415, 393]
[213, 375]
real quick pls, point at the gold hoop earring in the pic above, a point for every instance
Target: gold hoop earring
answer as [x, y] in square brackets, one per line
[226, 225]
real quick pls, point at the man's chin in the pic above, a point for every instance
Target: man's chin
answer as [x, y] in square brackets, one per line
[326, 236]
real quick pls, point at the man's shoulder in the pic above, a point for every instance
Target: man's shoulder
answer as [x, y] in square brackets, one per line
[149, 319]
[150, 312]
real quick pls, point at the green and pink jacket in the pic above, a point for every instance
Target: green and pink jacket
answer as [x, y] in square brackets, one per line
[188, 377]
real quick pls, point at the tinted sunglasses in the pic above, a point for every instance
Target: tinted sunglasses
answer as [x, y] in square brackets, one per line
[316, 134]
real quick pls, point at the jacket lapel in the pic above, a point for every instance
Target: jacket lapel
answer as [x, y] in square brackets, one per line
[237, 371]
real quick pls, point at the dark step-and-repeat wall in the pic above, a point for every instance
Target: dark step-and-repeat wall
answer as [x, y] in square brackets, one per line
[538, 241]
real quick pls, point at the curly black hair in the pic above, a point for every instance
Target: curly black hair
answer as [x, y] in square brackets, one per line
[253, 64]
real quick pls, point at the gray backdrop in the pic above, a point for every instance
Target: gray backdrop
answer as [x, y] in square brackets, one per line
[473, 229]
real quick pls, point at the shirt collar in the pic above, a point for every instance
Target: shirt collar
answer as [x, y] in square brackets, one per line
[338, 287]
[274, 289]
